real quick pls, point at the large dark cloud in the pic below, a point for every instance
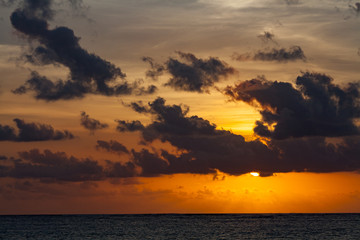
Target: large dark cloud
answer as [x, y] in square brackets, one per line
[91, 123]
[190, 73]
[88, 72]
[204, 148]
[294, 53]
[28, 132]
[316, 107]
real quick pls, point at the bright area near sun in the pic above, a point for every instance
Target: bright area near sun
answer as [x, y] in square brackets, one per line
[255, 174]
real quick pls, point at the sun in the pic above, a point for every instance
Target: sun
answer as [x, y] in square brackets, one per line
[255, 174]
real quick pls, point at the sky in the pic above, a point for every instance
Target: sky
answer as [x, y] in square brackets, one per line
[171, 106]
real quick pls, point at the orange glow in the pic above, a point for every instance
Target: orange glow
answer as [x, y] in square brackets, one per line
[254, 174]
[192, 193]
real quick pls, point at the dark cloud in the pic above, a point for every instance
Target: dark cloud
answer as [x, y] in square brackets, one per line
[190, 73]
[7, 133]
[28, 132]
[196, 75]
[138, 107]
[112, 146]
[91, 123]
[88, 72]
[267, 36]
[132, 126]
[156, 69]
[141, 90]
[57, 167]
[316, 107]
[318, 155]
[205, 149]
[121, 170]
[294, 53]
[53, 166]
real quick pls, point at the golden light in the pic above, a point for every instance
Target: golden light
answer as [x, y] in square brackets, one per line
[254, 174]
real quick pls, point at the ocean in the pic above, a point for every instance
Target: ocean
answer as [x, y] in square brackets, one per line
[182, 226]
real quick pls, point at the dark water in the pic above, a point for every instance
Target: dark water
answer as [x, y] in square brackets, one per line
[179, 226]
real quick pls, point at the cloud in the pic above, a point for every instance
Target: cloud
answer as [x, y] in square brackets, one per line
[190, 73]
[7, 133]
[316, 107]
[294, 53]
[112, 146]
[138, 107]
[29, 132]
[132, 126]
[202, 149]
[205, 149]
[52, 166]
[88, 72]
[318, 155]
[91, 123]
[267, 36]
[156, 69]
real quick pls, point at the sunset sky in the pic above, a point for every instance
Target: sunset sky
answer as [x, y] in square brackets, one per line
[168, 106]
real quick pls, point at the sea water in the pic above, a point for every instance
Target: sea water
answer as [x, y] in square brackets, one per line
[182, 226]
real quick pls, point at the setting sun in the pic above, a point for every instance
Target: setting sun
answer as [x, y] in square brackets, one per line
[254, 174]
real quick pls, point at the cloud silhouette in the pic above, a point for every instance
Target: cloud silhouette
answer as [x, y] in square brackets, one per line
[316, 107]
[28, 132]
[267, 36]
[112, 146]
[294, 53]
[190, 73]
[52, 166]
[91, 123]
[206, 149]
[156, 69]
[88, 72]
[131, 126]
